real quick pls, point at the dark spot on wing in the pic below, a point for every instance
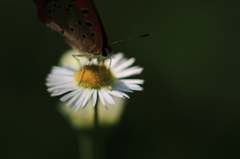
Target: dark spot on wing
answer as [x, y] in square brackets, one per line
[83, 36]
[85, 12]
[89, 24]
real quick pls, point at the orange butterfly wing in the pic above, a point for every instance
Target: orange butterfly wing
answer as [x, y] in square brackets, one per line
[76, 21]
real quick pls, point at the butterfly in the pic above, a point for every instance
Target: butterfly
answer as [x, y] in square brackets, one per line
[77, 21]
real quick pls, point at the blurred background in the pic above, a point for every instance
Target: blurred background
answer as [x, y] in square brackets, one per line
[190, 106]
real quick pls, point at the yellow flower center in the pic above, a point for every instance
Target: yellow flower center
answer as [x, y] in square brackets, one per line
[94, 76]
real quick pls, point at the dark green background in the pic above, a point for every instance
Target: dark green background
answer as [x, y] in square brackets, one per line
[190, 108]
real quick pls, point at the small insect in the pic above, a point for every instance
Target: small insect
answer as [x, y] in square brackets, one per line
[77, 21]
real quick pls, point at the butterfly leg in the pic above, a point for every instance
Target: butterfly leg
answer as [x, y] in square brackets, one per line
[85, 68]
[100, 71]
[110, 63]
[75, 56]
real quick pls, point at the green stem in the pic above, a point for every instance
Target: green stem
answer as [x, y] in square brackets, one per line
[96, 149]
[86, 146]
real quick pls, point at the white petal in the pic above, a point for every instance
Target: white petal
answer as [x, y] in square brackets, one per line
[66, 85]
[80, 100]
[70, 68]
[129, 72]
[74, 102]
[86, 99]
[107, 97]
[132, 81]
[121, 86]
[107, 63]
[95, 61]
[115, 59]
[69, 95]
[61, 91]
[114, 93]
[55, 83]
[136, 88]
[124, 65]
[74, 98]
[125, 95]
[102, 99]
[53, 77]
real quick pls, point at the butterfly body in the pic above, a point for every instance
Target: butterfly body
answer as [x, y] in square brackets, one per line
[77, 21]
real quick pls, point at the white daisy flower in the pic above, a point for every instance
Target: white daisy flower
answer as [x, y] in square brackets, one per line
[97, 82]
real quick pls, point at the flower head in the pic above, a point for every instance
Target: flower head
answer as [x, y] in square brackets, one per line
[93, 81]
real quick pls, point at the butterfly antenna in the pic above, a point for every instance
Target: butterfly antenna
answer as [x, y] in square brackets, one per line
[141, 36]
